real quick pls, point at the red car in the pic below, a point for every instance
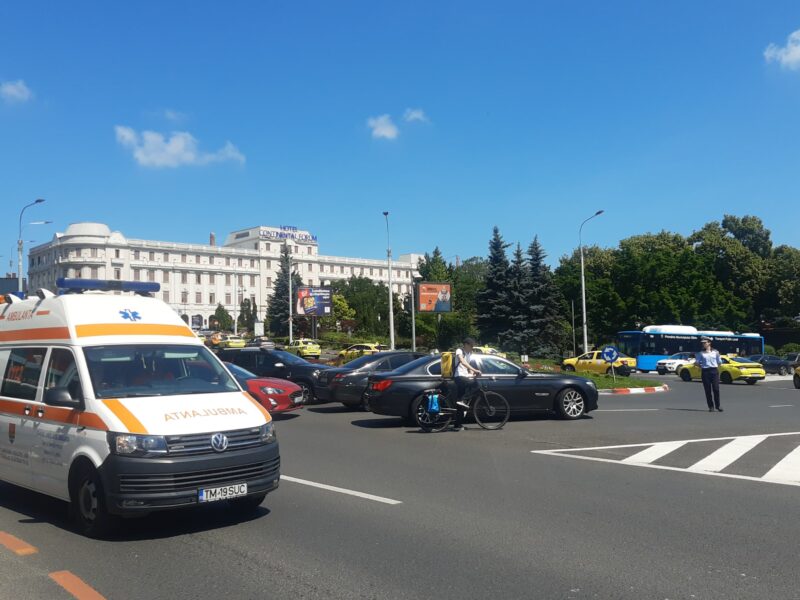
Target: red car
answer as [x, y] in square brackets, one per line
[276, 395]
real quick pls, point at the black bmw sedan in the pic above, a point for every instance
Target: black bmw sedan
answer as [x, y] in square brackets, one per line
[399, 392]
[773, 364]
[348, 383]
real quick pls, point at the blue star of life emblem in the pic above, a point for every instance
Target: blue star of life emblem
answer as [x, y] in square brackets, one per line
[130, 315]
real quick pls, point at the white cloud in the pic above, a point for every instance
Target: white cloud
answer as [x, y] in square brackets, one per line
[382, 127]
[153, 149]
[415, 114]
[15, 91]
[789, 55]
[173, 115]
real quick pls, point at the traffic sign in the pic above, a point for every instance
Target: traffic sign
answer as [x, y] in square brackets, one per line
[610, 354]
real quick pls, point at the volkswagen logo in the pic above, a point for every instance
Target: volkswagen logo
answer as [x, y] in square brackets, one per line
[219, 442]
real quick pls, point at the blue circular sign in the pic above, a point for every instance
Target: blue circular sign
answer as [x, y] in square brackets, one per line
[610, 354]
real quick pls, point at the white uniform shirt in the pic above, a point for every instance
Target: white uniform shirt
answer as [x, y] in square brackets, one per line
[461, 370]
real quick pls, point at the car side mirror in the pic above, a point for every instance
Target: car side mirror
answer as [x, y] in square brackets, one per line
[60, 396]
[522, 374]
[280, 365]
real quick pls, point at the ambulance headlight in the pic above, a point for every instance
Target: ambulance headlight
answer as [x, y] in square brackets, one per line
[268, 433]
[127, 444]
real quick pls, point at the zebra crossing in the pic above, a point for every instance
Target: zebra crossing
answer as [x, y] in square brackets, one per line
[767, 458]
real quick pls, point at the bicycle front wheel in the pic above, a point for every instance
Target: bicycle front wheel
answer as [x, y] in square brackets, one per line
[491, 410]
[430, 421]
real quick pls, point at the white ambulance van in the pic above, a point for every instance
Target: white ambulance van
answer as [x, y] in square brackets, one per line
[110, 402]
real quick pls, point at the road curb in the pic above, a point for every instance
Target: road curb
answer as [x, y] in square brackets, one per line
[644, 390]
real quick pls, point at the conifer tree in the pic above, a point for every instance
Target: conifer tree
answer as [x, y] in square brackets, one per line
[493, 302]
[546, 329]
[278, 310]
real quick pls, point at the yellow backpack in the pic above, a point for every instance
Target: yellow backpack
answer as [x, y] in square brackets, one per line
[448, 365]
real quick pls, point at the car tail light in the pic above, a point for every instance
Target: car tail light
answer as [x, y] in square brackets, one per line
[379, 386]
[338, 377]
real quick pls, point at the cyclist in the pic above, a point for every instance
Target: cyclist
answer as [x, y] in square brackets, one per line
[464, 375]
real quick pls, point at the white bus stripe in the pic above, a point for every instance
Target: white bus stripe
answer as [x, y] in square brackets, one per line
[332, 488]
[653, 453]
[788, 469]
[728, 454]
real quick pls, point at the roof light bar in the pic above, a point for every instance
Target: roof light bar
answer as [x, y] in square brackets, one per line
[107, 285]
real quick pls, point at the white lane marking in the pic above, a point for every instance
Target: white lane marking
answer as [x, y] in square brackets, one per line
[332, 488]
[781, 405]
[667, 468]
[653, 453]
[788, 469]
[626, 409]
[728, 454]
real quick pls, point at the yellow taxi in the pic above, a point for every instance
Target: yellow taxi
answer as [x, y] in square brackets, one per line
[304, 348]
[231, 341]
[356, 350]
[593, 362]
[489, 350]
[733, 368]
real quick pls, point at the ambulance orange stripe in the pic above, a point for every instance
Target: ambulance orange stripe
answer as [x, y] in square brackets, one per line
[128, 419]
[103, 329]
[16, 545]
[38, 333]
[76, 586]
[54, 414]
[263, 410]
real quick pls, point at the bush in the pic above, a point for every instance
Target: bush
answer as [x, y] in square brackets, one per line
[769, 349]
[791, 347]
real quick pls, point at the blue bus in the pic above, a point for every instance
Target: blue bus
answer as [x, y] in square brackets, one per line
[657, 342]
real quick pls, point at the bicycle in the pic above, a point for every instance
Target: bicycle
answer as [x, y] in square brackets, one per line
[489, 409]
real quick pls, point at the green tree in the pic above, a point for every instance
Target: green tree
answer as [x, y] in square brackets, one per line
[518, 334]
[493, 302]
[340, 311]
[224, 319]
[247, 316]
[369, 301]
[546, 329]
[433, 267]
[278, 309]
[469, 279]
[750, 232]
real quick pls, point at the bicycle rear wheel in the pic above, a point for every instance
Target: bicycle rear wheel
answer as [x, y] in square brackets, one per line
[430, 421]
[491, 410]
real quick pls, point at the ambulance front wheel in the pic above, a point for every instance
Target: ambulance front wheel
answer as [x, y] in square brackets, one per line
[88, 502]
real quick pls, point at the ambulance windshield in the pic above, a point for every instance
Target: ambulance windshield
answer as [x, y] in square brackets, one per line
[155, 370]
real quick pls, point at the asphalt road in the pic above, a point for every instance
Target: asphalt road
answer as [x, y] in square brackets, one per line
[535, 510]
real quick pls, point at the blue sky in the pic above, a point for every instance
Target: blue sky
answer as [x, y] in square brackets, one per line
[454, 116]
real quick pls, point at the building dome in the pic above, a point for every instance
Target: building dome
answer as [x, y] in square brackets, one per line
[88, 230]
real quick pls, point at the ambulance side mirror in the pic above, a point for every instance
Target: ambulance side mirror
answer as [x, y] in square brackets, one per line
[60, 396]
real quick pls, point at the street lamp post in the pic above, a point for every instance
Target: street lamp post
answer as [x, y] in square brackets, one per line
[391, 297]
[583, 281]
[19, 242]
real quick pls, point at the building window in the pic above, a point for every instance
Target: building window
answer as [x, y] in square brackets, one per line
[151, 275]
[371, 272]
[252, 263]
[212, 279]
[184, 297]
[117, 274]
[183, 258]
[151, 256]
[184, 277]
[269, 264]
[240, 280]
[212, 298]
[198, 298]
[135, 255]
[136, 274]
[227, 278]
[197, 259]
[166, 295]
[308, 251]
[269, 282]
[241, 262]
[198, 278]
[227, 261]
[165, 276]
[296, 250]
[252, 281]
[227, 298]
[166, 257]
[93, 252]
[266, 247]
[94, 272]
[116, 253]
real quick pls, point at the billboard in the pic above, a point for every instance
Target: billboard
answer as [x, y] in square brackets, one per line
[434, 297]
[313, 302]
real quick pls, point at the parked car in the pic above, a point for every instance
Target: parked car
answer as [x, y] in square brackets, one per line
[772, 364]
[304, 348]
[732, 369]
[671, 364]
[261, 342]
[355, 351]
[282, 365]
[489, 350]
[593, 362]
[400, 392]
[231, 341]
[793, 358]
[348, 383]
[276, 395]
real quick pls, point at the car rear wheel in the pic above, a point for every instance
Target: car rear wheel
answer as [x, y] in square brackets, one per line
[782, 371]
[686, 375]
[569, 368]
[726, 378]
[570, 404]
[308, 392]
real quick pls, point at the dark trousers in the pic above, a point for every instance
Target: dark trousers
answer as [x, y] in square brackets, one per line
[462, 385]
[711, 383]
